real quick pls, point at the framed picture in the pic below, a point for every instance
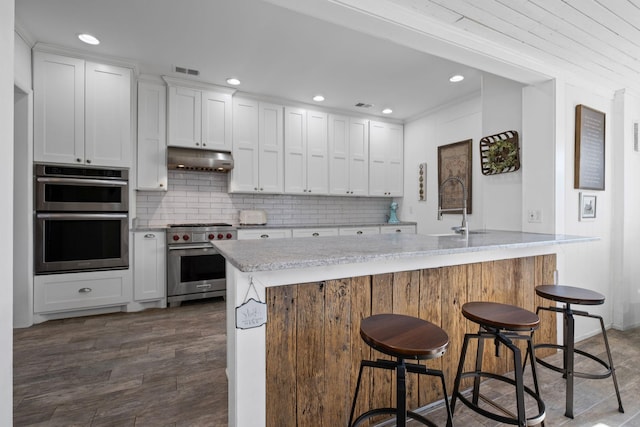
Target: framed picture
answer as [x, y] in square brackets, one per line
[587, 207]
[454, 160]
[589, 149]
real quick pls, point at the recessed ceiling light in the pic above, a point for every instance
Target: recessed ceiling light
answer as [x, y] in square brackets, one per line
[89, 39]
[387, 111]
[456, 78]
[233, 81]
[318, 98]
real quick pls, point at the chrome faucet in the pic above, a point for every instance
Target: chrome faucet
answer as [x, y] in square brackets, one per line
[464, 228]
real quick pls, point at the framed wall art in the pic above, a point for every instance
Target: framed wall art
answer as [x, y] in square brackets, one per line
[454, 160]
[500, 153]
[587, 207]
[589, 149]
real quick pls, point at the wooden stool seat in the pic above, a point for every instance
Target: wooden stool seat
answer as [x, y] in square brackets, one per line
[401, 337]
[502, 324]
[570, 294]
[500, 316]
[404, 336]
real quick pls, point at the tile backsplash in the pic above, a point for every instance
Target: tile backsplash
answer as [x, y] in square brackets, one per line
[194, 197]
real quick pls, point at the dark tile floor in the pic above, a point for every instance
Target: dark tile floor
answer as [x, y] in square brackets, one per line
[167, 368]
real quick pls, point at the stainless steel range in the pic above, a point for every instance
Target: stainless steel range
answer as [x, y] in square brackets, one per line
[195, 269]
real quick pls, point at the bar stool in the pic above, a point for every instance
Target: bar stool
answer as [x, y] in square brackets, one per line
[568, 295]
[402, 337]
[501, 323]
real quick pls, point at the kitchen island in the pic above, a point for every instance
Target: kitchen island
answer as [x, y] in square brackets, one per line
[299, 368]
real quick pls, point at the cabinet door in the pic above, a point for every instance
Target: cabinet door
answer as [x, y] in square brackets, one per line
[295, 153]
[216, 121]
[358, 157]
[271, 144]
[390, 229]
[358, 231]
[377, 159]
[314, 232]
[185, 117]
[152, 141]
[317, 155]
[58, 88]
[149, 279]
[244, 177]
[395, 165]
[338, 142]
[107, 115]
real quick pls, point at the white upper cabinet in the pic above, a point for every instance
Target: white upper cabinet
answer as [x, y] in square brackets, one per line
[82, 111]
[386, 162]
[152, 141]
[200, 116]
[305, 152]
[348, 141]
[258, 144]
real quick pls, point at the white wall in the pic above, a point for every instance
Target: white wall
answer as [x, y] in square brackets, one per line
[501, 193]
[587, 265]
[6, 211]
[422, 136]
[22, 65]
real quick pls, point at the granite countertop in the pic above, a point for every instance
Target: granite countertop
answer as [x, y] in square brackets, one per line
[341, 225]
[281, 254]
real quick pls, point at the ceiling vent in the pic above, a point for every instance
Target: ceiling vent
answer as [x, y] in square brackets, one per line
[364, 105]
[187, 71]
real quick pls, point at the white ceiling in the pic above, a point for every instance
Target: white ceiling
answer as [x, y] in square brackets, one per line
[356, 50]
[272, 50]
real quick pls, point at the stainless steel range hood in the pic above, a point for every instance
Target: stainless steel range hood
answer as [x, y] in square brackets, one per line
[199, 160]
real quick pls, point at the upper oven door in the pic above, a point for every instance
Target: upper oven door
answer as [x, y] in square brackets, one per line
[81, 194]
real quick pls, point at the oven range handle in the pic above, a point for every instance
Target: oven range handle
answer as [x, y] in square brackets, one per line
[80, 215]
[87, 181]
[186, 247]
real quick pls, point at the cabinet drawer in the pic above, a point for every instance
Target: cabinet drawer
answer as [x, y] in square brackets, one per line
[315, 232]
[264, 234]
[389, 229]
[62, 292]
[357, 231]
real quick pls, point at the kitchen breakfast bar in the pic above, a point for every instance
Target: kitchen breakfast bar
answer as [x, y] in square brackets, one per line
[294, 361]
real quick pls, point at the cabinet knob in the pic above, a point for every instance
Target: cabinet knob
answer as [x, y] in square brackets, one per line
[150, 236]
[88, 161]
[197, 144]
[359, 232]
[255, 188]
[84, 290]
[261, 189]
[161, 185]
[264, 236]
[204, 144]
[305, 190]
[315, 234]
[79, 160]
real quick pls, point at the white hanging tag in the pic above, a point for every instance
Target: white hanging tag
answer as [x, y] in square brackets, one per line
[251, 313]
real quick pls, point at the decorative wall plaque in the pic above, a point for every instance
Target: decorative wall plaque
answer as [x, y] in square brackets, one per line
[454, 160]
[500, 153]
[589, 159]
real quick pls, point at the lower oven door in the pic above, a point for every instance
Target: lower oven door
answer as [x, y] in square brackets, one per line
[67, 242]
[195, 269]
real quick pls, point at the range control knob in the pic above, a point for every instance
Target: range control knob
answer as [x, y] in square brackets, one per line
[211, 236]
[176, 237]
[220, 236]
[229, 235]
[185, 237]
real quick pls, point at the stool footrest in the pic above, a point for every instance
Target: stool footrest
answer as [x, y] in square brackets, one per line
[512, 419]
[392, 411]
[578, 374]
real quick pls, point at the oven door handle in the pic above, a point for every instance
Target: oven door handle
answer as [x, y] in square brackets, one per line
[185, 247]
[79, 181]
[81, 216]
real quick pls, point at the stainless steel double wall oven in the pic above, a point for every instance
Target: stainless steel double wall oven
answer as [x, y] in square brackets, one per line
[81, 219]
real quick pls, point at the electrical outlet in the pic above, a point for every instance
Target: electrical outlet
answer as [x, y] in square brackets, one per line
[534, 215]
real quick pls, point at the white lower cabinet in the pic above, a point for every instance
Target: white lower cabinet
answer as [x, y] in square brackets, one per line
[389, 229]
[77, 291]
[274, 233]
[314, 232]
[357, 231]
[149, 260]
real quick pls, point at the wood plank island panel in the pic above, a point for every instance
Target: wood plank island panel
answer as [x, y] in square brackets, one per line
[313, 344]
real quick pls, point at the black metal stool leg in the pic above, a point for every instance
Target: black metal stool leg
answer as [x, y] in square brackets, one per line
[569, 323]
[611, 368]
[476, 380]
[355, 395]
[456, 383]
[401, 394]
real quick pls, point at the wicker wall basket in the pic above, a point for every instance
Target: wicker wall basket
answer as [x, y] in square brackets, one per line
[500, 153]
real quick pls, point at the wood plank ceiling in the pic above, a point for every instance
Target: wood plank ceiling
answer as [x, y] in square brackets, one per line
[596, 38]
